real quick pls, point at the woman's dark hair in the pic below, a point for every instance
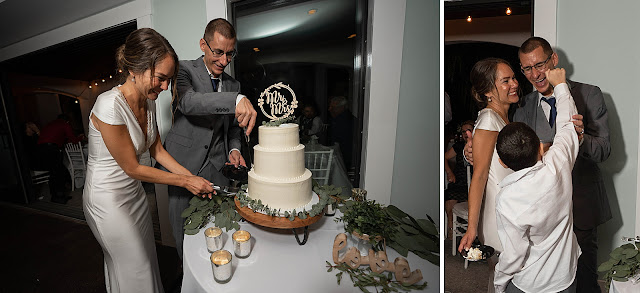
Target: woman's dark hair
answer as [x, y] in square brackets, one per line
[142, 50]
[483, 77]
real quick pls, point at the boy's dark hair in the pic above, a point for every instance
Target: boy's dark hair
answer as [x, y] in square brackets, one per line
[518, 146]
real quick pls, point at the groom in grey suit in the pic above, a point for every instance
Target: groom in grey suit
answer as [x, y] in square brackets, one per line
[204, 133]
[590, 202]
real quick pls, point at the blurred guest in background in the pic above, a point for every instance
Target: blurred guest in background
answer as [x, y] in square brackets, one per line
[457, 189]
[310, 123]
[51, 143]
[341, 127]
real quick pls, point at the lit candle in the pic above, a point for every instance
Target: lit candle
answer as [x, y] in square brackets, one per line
[221, 266]
[242, 243]
[213, 236]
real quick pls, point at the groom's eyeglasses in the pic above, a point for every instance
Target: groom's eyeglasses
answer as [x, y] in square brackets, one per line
[540, 66]
[218, 53]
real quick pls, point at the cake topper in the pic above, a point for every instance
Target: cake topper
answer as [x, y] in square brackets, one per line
[275, 99]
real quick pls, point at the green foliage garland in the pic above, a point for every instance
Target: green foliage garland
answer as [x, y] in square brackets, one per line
[365, 277]
[278, 122]
[222, 207]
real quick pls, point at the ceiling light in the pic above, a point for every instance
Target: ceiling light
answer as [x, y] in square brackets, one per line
[508, 12]
[120, 70]
[96, 84]
[110, 76]
[312, 11]
[103, 80]
[77, 101]
[89, 86]
[469, 18]
[256, 50]
[351, 36]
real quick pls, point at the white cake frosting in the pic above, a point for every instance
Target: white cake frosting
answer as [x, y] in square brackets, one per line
[279, 178]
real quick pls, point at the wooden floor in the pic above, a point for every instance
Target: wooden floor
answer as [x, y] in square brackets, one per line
[46, 252]
[73, 208]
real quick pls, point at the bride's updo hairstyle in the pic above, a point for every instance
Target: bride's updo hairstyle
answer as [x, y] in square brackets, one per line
[483, 79]
[142, 50]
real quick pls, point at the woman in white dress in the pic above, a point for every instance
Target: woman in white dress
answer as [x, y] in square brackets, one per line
[122, 127]
[495, 88]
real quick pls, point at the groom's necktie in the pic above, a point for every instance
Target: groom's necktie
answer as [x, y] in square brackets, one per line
[552, 114]
[214, 82]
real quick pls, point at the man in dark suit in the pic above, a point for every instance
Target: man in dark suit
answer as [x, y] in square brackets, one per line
[590, 202]
[204, 133]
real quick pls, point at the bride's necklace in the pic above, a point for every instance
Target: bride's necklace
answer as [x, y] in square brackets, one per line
[500, 113]
[144, 131]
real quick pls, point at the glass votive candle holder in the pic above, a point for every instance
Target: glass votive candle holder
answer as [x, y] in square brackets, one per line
[221, 266]
[242, 243]
[359, 194]
[213, 236]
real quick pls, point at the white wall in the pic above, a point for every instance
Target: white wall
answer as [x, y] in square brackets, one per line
[381, 98]
[594, 44]
[510, 30]
[415, 185]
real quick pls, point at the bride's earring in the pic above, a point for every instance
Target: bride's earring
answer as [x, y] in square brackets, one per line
[489, 99]
[133, 78]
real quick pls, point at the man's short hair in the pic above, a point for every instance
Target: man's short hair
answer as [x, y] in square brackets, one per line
[339, 100]
[534, 42]
[221, 26]
[518, 146]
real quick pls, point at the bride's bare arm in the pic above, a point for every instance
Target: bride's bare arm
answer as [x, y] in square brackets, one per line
[118, 142]
[484, 142]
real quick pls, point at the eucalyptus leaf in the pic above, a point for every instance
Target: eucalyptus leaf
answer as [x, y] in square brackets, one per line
[191, 231]
[186, 212]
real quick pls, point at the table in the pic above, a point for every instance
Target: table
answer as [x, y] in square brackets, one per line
[278, 264]
[624, 287]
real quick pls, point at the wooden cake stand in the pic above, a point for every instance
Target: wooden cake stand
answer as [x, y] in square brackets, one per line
[278, 222]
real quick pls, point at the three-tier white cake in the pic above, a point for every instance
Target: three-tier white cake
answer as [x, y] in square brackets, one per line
[279, 177]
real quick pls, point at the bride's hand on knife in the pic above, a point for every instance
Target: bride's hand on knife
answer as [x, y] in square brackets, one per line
[467, 240]
[198, 186]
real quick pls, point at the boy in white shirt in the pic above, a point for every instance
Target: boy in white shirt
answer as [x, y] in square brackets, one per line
[534, 207]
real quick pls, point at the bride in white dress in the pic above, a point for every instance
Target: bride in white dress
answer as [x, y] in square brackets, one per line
[495, 88]
[122, 127]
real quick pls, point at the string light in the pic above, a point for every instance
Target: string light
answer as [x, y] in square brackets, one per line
[508, 12]
[469, 18]
[89, 86]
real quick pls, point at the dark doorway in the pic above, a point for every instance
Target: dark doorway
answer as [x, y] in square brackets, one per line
[36, 88]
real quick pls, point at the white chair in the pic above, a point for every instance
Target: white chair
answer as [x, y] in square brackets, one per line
[39, 177]
[77, 165]
[319, 163]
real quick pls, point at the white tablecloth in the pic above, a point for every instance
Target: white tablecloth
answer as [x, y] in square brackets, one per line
[278, 264]
[624, 287]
